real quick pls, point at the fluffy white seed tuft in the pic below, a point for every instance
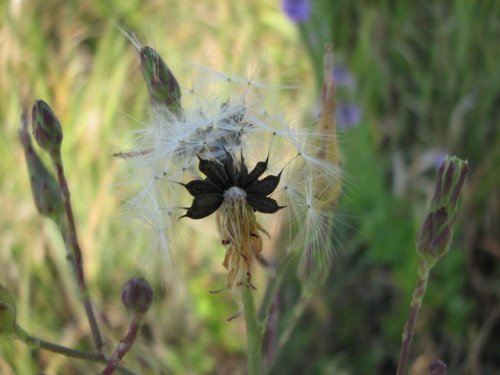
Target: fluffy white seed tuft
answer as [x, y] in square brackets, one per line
[235, 120]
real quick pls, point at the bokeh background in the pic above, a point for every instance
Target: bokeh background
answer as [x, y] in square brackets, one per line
[416, 80]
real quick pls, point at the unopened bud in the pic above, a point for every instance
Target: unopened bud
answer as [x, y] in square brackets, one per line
[7, 312]
[435, 234]
[44, 186]
[438, 368]
[434, 237]
[450, 180]
[46, 127]
[137, 295]
[162, 85]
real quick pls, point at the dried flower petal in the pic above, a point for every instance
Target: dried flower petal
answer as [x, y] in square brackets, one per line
[204, 205]
[197, 187]
[265, 205]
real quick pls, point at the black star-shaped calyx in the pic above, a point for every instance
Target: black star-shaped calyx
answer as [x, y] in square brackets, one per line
[227, 181]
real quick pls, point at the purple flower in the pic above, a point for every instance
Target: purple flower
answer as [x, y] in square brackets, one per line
[297, 10]
[342, 77]
[439, 158]
[348, 115]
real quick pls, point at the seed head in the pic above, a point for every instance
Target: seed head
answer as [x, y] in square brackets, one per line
[229, 156]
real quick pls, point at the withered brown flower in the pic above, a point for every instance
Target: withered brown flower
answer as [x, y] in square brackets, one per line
[226, 182]
[236, 194]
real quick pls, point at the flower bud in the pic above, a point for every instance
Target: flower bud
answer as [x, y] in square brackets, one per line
[7, 312]
[437, 368]
[450, 180]
[162, 85]
[46, 127]
[434, 237]
[137, 295]
[44, 186]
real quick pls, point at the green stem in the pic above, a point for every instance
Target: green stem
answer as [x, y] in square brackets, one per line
[416, 303]
[291, 323]
[272, 286]
[254, 333]
[306, 33]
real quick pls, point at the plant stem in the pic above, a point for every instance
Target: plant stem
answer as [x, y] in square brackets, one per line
[272, 286]
[69, 352]
[124, 345]
[77, 252]
[416, 303]
[291, 323]
[254, 333]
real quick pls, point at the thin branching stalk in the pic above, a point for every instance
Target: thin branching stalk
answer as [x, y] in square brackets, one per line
[433, 240]
[77, 252]
[96, 357]
[124, 345]
[416, 303]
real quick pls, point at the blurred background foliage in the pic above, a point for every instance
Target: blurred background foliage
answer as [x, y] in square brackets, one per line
[421, 80]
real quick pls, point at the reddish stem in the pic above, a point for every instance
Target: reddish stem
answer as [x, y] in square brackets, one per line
[77, 252]
[124, 345]
[416, 303]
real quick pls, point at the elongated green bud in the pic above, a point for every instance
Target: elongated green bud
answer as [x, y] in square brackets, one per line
[46, 127]
[44, 186]
[7, 312]
[162, 85]
[450, 180]
[434, 237]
